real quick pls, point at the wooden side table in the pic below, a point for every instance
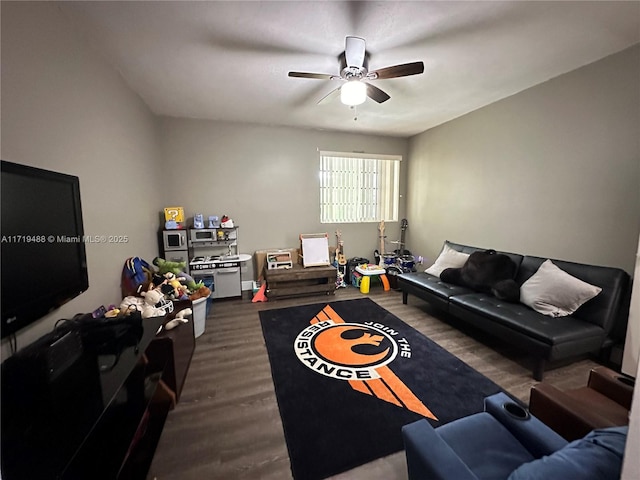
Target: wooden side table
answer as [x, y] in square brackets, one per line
[296, 281]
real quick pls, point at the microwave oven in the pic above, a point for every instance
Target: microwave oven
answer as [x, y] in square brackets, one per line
[212, 236]
[202, 235]
[174, 240]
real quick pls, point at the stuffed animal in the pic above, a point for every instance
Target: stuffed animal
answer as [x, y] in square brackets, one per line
[178, 290]
[165, 266]
[131, 304]
[150, 309]
[201, 292]
[486, 271]
[155, 305]
[178, 269]
[178, 319]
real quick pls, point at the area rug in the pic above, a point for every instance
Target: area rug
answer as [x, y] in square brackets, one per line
[349, 374]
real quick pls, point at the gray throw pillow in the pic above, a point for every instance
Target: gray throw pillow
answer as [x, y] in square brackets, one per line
[552, 291]
[448, 258]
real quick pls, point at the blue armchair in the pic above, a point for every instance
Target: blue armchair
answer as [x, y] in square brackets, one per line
[507, 442]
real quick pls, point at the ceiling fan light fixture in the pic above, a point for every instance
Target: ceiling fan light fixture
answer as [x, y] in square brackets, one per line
[354, 64]
[353, 93]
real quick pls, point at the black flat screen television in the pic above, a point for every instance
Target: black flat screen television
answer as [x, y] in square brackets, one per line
[44, 263]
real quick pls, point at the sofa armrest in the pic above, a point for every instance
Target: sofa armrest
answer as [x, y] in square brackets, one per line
[429, 457]
[563, 413]
[530, 431]
[612, 385]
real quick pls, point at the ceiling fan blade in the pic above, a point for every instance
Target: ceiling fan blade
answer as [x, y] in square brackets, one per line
[376, 94]
[330, 96]
[403, 70]
[354, 52]
[319, 76]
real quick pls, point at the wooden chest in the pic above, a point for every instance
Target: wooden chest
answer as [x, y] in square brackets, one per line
[296, 281]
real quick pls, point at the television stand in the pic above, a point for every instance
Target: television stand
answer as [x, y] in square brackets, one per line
[88, 423]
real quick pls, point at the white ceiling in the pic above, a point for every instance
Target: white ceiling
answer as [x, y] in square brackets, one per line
[229, 60]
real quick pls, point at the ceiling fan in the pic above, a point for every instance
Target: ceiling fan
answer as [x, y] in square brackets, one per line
[354, 64]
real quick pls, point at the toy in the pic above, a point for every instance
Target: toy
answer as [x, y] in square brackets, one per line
[164, 266]
[177, 291]
[174, 217]
[226, 222]
[201, 292]
[131, 304]
[155, 304]
[260, 294]
[178, 319]
[177, 268]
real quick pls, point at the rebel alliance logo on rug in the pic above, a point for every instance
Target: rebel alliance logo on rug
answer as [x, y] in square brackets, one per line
[346, 351]
[359, 354]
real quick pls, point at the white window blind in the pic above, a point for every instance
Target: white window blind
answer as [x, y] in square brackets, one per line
[359, 187]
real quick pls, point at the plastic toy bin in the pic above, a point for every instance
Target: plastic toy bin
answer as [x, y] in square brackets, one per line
[199, 315]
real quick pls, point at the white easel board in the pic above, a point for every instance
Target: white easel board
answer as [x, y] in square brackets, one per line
[315, 249]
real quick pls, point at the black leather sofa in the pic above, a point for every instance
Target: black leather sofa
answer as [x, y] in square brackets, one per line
[589, 330]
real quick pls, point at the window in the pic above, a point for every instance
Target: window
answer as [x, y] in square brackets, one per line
[358, 187]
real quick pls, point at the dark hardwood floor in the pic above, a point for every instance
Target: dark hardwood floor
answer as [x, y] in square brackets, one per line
[227, 425]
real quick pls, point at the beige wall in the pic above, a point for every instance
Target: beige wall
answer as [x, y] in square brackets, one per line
[266, 180]
[64, 109]
[552, 171]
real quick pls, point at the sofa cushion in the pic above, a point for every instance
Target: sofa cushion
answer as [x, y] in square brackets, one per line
[551, 331]
[601, 310]
[597, 456]
[448, 258]
[552, 291]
